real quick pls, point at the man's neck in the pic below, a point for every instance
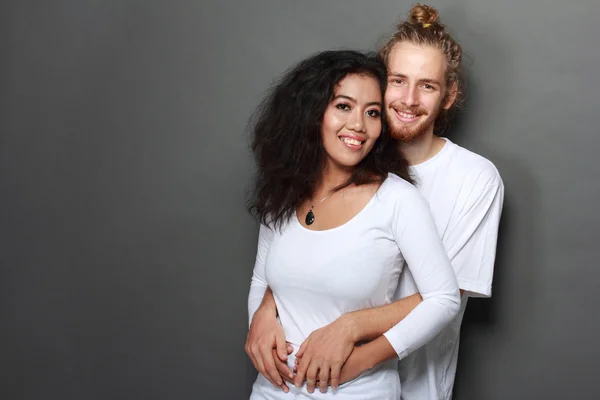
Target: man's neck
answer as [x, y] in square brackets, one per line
[422, 148]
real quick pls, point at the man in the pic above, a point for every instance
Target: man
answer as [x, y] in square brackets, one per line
[465, 193]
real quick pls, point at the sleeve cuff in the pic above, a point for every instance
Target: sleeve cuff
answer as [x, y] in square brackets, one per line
[399, 347]
[475, 289]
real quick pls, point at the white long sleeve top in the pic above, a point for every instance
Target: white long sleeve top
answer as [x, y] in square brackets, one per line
[316, 276]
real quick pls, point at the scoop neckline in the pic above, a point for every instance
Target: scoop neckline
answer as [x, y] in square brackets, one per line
[363, 210]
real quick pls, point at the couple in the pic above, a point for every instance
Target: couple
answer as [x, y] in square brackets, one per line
[350, 274]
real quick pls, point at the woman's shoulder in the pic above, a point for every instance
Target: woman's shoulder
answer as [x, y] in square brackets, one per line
[393, 185]
[397, 193]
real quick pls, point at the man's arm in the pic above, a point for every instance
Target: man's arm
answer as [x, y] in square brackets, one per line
[364, 358]
[472, 235]
[370, 323]
[268, 303]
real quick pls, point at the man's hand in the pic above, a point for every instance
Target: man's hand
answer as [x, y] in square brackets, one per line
[267, 348]
[323, 353]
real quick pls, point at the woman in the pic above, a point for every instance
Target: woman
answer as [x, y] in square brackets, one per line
[339, 217]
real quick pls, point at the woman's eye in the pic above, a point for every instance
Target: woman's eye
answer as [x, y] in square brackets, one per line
[373, 113]
[343, 107]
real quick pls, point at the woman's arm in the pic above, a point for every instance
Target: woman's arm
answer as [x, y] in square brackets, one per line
[418, 240]
[258, 284]
[265, 333]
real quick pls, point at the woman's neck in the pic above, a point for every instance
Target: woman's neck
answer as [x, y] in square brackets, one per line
[331, 177]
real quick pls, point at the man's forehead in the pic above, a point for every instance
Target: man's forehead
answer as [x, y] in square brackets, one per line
[410, 59]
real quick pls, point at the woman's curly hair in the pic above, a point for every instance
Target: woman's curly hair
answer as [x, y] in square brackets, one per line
[286, 135]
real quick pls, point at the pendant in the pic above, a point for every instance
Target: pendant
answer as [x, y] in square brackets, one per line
[310, 217]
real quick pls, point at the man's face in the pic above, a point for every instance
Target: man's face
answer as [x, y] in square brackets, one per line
[416, 90]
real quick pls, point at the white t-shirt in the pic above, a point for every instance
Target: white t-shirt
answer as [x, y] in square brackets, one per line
[316, 276]
[465, 193]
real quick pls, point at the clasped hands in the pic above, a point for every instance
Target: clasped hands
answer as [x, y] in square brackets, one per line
[328, 356]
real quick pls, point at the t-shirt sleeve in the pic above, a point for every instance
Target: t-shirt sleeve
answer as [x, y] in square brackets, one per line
[418, 240]
[471, 239]
[258, 283]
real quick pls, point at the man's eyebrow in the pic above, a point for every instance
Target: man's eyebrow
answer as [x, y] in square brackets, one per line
[434, 81]
[424, 80]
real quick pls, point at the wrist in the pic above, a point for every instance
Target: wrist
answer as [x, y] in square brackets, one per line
[268, 308]
[363, 358]
[351, 326]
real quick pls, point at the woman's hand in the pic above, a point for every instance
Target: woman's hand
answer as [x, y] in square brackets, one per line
[322, 355]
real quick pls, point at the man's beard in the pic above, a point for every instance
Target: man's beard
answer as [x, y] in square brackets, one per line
[407, 133]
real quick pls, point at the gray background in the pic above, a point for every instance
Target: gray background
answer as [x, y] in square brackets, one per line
[126, 250]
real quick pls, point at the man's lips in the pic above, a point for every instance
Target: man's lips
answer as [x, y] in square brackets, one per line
[406, 116]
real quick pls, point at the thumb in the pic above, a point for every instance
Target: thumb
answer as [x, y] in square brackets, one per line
[300, 352]
[290, 349]
[281, 348]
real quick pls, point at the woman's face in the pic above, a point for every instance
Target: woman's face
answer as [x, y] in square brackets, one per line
[352, 121]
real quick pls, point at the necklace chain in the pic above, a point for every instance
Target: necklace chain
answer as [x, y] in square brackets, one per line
[319, 202]
[310, 216]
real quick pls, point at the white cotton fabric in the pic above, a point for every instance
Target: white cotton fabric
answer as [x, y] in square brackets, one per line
[465, 193]
[316, 276]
